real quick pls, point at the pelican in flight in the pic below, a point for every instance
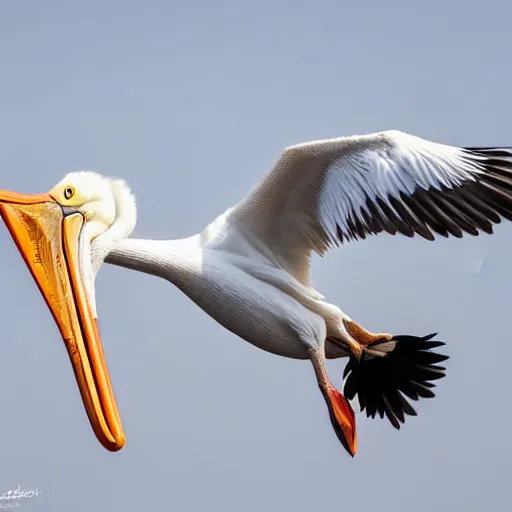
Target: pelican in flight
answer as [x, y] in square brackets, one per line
[249, 269]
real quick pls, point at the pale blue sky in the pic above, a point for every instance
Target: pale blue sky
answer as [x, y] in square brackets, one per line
[192, 102]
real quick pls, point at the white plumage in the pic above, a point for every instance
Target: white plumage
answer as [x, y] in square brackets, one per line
[329, 191]
[250, 268]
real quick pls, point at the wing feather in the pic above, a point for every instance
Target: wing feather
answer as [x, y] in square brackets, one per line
[323, 193]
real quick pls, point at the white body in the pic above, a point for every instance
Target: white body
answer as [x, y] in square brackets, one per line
[250, 268]
[241, 288]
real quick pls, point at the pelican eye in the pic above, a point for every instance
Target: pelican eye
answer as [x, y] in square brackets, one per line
[69, 192]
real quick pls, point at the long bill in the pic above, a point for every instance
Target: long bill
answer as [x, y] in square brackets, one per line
[49, 242]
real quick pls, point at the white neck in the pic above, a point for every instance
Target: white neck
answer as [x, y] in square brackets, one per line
[169, 259]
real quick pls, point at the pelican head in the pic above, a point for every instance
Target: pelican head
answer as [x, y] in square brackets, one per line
[91, 194]
[63, 236]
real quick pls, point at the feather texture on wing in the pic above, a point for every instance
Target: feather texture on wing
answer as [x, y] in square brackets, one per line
[323, 193]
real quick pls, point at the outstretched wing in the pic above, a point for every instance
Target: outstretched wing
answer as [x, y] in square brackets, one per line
[327, 192]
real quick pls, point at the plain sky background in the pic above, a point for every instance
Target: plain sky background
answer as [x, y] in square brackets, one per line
[192, 102]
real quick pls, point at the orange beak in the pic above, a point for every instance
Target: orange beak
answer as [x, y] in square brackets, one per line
[50, 243]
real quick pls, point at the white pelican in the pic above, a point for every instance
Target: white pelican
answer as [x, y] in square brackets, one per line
[250, 268]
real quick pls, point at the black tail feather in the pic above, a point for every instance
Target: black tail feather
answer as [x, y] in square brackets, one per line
[383, 384]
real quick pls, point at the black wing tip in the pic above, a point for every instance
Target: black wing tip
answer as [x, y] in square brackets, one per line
[384, 385]
[490, 150]
[453, 209]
